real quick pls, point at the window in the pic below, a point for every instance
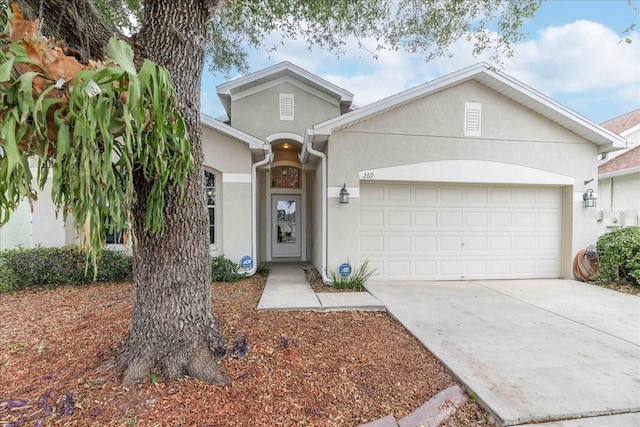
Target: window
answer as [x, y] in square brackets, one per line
[113, 237]
[285, 177]
[210, 190]
[472, 119]
[286, 106]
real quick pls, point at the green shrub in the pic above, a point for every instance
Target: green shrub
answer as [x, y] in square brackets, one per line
[49, 267]
[356, 280]
[619, 257]
[225, 270]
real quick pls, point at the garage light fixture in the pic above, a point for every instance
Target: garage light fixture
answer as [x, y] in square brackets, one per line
[588, 199]
[344, 194]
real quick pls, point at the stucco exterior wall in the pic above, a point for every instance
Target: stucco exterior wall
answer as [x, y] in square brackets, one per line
[433, 129]
[230, 160]
[618, 202]
[258, 114]
[17, 231]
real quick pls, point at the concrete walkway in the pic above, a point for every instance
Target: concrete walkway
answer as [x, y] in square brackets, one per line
[287, 289]
[531, 350]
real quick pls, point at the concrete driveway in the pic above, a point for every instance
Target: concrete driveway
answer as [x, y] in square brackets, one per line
[531, 350]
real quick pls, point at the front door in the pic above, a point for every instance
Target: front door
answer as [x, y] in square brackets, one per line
[285, 227]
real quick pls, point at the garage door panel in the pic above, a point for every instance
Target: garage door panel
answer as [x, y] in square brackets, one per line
[427, 231]
[395, 194]
[398, 268]
[476, 219]
[372, 194]
[399, 243]
[449, 195]
[425, 243]
[450, 219]
[450, 243]
[500, 219]
[372, 244]
[425, 219]
[400, 218]
[371, 218]
[425, 195]
[475, 243]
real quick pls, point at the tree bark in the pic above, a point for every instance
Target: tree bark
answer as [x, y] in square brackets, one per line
[77, 22]
[173, 330]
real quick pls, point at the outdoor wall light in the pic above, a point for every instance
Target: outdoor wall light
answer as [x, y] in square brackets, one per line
[344, 194]
[588, 199]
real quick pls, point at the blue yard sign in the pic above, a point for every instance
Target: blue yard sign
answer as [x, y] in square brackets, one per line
[246, 262]
[345, 269]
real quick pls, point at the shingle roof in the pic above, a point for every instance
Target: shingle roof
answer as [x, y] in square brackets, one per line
[628, 160]
[623, 122]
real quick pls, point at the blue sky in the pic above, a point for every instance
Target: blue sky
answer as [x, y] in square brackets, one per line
[572, 53]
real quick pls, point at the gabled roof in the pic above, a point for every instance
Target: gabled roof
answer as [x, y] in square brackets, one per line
[623, 123]
[283, 69]
[495, 80]
[623, 164]
[225, 129]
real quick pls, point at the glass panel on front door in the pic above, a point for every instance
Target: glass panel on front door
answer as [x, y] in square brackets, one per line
[286, 218]
[286, 221]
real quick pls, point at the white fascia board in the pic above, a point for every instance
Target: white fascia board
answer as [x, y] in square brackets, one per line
[249, 140]
[631, 130]
[619, 173]
[227, 88]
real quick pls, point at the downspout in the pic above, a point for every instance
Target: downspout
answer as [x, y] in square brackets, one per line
[323, 160]
[254, 208]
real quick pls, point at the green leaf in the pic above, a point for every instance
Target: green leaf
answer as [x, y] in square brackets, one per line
[121, 54]
[5, 70]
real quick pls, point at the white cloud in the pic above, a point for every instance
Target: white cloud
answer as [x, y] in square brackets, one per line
[577, 57]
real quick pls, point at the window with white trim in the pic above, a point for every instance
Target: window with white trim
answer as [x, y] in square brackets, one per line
[286, 106]
[210, 191]
[472, 119]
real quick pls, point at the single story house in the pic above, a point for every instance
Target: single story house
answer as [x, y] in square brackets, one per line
[474, 175]
[619, 177]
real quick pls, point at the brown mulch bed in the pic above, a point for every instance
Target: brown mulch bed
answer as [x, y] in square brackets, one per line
[627, 289]
[303, 368]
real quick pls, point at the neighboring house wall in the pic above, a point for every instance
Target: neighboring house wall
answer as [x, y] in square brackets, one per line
[40, 226]
[618, 202]
[431, 129]
[257, 112]
[17, 231]
[619, 177]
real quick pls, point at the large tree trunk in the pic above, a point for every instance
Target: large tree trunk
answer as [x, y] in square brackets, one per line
[173, 330]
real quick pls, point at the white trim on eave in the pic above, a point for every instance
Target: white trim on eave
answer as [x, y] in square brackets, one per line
[225, 129]
[484, 74]
[619, 173]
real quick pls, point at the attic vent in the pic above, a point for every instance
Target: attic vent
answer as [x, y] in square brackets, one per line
[472, 119]
[286, 106]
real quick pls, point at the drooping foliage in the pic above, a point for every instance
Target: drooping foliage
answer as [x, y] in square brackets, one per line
[89, 126]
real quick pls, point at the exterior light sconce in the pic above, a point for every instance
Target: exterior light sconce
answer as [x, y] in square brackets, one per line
[588, 199]
[344, 194]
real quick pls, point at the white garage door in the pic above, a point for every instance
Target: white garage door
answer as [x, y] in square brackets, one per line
[454, 232]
